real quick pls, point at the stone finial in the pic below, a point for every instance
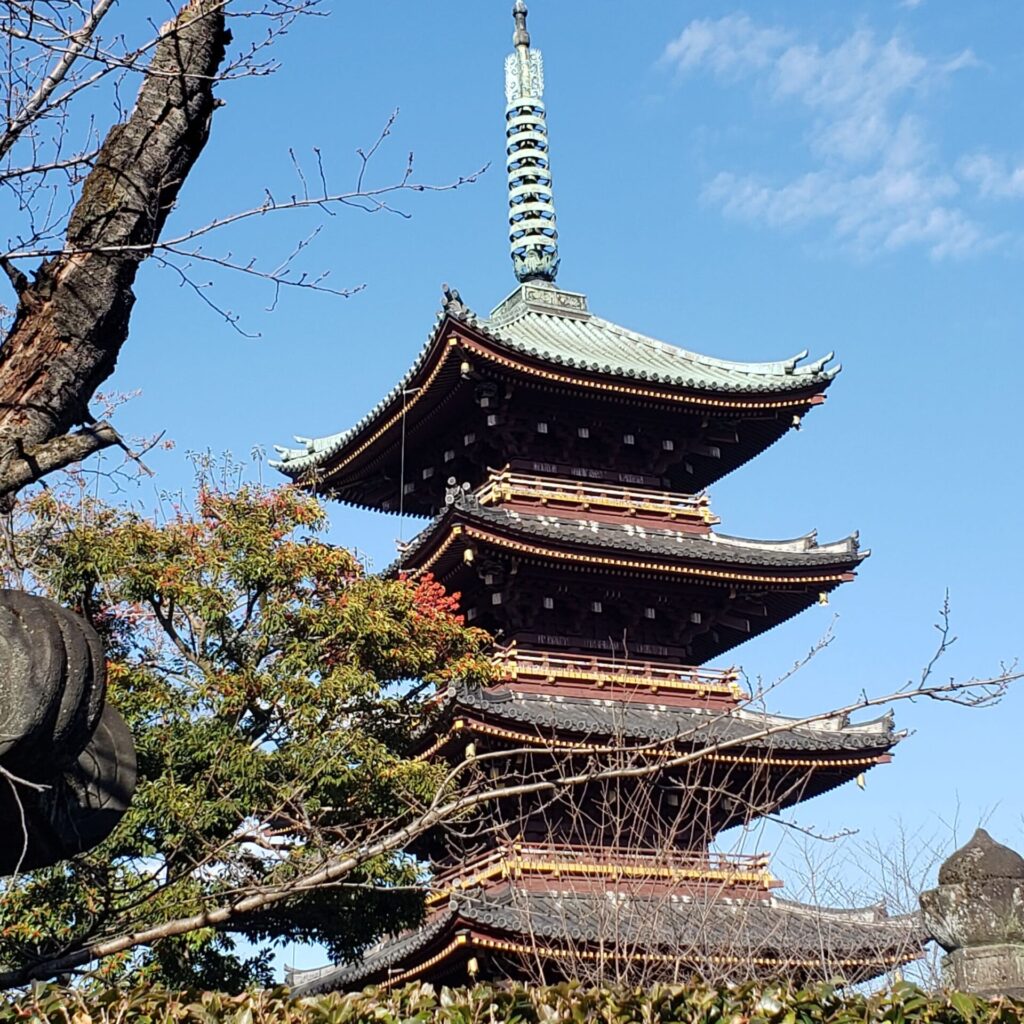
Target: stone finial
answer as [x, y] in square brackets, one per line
[977, 915]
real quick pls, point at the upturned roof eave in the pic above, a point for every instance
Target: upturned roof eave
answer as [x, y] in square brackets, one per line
[840, 556]
[519, 709]
[786, 386]
[377, 958]
[798, 928]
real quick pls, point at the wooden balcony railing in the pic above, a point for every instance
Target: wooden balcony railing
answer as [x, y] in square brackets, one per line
[505, 486]
[517, 664]
[609, 862]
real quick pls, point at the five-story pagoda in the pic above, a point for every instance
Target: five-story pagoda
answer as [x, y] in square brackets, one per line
[564, 460]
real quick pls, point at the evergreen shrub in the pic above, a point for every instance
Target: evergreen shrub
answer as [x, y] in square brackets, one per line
[423, 1004]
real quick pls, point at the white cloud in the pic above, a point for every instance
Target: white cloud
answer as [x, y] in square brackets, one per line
[732, 45]
[995, 179]
[889, 209]
[876, 179]
[911, 4]
[851, 89]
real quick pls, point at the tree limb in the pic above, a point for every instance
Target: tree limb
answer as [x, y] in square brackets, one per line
[73, 318]
[31, 464]
[18, 280]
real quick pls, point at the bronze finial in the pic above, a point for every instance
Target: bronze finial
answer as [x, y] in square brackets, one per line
[522, 35]
[532, 233]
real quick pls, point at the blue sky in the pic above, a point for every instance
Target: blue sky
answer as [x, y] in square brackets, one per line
[743, 181]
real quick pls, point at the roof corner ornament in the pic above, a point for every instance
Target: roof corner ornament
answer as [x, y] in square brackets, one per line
[461, 496]
[451, 301]
[533, 236]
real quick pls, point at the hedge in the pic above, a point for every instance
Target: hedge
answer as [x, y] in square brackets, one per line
[423, 1004]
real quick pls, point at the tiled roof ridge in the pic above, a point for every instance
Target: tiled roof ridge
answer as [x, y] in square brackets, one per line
[789, 926]
[876, 913]
[293, 461]
[506, 894]
[632, 538]
[651, 722]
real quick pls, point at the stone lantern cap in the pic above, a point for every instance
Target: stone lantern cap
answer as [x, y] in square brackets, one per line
[982, 858]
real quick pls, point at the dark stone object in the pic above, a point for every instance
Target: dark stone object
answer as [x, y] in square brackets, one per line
[977, 915]
[67, 762]
[982, 858]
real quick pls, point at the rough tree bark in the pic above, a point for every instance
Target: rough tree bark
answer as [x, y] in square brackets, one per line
[72, 318]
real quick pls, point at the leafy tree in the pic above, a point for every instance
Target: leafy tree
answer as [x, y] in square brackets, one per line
[262, 672]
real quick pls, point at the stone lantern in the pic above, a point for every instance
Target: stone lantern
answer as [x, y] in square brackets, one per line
[977, 915]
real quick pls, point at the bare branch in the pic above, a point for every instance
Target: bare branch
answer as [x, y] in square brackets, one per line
[392, 836]
[78, 41]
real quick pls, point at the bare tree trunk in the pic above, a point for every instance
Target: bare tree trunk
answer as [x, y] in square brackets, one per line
[73, 318]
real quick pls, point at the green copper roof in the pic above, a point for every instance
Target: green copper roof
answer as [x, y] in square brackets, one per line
[554, 326]
[540, 320]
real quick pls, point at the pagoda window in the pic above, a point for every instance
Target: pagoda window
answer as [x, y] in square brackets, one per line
[549, 603]
[596, 607]
[496, 598]
[629, 439]
[669, 446]
[449, 455]
[470, 614]
[409, 487]
[583, 432]
[695, 618]
[428, 472]
[492, 420]
[650, 613]
[469, 439]
[542, 427]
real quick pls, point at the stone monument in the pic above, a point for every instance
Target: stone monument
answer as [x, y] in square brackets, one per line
[977, 915]
[67, 760]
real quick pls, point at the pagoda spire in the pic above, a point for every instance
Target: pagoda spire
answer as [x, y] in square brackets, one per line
[532, 233]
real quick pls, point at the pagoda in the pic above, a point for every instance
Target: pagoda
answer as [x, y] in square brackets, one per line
[564, 462]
